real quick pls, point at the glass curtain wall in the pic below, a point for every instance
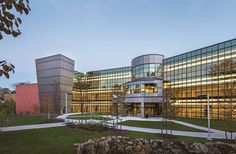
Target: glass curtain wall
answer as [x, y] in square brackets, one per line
[146, 70]
[98, 97]
[210, 70]
[139, 88]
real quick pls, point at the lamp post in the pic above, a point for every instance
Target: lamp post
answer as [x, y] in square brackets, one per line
[55, 86]
[115, 98]
[66, 103]
[208, 115]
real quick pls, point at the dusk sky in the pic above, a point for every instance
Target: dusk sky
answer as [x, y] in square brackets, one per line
[101, 34]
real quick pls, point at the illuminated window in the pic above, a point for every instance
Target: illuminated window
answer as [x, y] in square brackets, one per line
[151, 88]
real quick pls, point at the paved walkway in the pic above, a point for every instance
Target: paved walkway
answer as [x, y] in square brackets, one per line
[196, 126]
[37, 126]
[175, 132]
[216, 134]
[135, 118]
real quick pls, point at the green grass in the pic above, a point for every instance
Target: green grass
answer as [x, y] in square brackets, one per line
[17, 120]
[225, 125]
[159, 125]
[50, 140]
[60, 140]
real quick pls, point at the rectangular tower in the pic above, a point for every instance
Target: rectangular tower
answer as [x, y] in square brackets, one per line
[55, 79]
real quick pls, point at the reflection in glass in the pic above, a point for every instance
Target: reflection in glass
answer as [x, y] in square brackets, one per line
[147, 70]
[138, 88]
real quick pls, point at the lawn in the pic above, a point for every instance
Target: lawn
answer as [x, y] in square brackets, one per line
[159, 125]
[16, 120]
[225, 125]
[60, 140]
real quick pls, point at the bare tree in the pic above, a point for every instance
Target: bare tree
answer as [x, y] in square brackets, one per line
[48, 106]
[81, 86]
[229, 105]
[36, 108]
[167, 107]
[56, 108]
[119, 107]
[228, 90]
[118, 103]
[2, 114]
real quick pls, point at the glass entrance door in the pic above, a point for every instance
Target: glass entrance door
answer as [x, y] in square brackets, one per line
[152, 109]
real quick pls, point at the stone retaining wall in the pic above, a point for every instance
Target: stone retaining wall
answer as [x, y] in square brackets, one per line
[126, 145]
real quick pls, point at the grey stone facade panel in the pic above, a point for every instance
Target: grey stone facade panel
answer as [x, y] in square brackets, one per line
[55, 78]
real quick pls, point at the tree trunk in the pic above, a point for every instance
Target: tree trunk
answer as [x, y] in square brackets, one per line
[7, 120]
[226, 136]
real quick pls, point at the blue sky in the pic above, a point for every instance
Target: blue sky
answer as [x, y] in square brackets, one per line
[100, 34]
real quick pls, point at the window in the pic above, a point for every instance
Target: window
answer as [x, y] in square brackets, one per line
[151, 88]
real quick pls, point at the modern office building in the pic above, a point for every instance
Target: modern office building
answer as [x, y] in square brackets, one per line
[206, 71]
[210, 70]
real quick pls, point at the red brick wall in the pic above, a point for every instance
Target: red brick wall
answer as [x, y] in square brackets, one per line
[27, 99]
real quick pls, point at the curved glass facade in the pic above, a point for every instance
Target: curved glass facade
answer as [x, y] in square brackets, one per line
[143, 87]
[146, 70]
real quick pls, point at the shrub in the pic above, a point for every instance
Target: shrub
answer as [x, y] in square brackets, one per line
[168, 137]
[90, 126]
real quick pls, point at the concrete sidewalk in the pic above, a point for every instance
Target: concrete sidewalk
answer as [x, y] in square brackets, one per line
[196, 126]
[26, 127]
[216, 134]
[178, 133]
